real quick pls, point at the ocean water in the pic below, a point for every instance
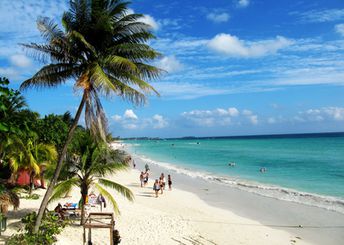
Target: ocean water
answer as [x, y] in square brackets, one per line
[299, 168]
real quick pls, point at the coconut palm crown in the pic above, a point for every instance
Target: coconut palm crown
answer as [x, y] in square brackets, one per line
[103, 48]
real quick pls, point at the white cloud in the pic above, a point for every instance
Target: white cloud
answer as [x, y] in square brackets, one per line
[233, 46]
[20, 60]
[321, 114]
[272, 120]
[247, 112]
[131, 121]
[218, 17]
[8, 72]
[250, 116]
[129, 114]
[340, 29]
[170, 64]
[233, 111]
[159, 121]
[243, 3]
[130, 126]
[219, 117]
[116, 118]
[253, 119]
[318, 16]
[149, 20]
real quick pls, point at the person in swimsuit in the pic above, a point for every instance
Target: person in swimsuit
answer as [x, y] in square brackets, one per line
[145, 180]
[163, 180]
[156, 187]
[60, 211]
[169, 181]
[161, 185]
[142, 179]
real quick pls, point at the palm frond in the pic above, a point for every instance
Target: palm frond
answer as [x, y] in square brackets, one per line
[134, 79]
[95, 117]
[118, 187]
[101, 81]
[51, 76]
[49, 30]
[120, 63]
[103, 169]
[80, 38]
[63, 187]
[135, 51]
[107, 195]
[128, 93]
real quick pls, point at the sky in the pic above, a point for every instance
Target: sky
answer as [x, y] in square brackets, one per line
[234, 67]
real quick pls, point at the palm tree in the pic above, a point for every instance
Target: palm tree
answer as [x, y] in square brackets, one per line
[103, 48]
[11, 106]
[86, 167]
[32, 157]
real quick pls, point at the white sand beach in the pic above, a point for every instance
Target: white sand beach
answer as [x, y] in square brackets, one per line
[176, 217]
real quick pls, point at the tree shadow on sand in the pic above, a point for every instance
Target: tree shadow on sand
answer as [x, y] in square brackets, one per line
[146, 194]
[134, 185]
[199, 240]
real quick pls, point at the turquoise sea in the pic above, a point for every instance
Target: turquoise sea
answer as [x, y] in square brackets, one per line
[301, 168]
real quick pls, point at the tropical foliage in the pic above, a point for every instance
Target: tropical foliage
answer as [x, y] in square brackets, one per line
[8, 197]
[103, 48]
[27, 141]
[51, 226]
[33, 157]
[87, 164]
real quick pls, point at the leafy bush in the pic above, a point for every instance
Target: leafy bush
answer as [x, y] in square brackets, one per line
[51, 226]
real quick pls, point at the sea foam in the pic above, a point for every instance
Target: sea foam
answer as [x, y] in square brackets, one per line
[280, 193]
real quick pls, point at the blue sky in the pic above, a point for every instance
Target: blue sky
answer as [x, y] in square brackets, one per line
[235, 67]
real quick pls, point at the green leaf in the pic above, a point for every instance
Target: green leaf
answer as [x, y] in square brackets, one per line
[118, 187]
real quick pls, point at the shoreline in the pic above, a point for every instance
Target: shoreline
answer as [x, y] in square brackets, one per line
[330, 203]
[198, 212]
[176, 217]
[320, 226]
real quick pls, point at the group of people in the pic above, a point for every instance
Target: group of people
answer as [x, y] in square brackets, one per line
[159, 184]
[92, 200]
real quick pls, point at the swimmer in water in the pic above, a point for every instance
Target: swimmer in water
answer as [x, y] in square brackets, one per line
[262, 170]
[231, 164]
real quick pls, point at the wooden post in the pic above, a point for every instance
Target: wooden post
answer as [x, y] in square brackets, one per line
[89, 231]
[89, 225]
[111, 236]
[84, 236]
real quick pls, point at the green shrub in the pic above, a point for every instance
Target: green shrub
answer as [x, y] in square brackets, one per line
[46, 235]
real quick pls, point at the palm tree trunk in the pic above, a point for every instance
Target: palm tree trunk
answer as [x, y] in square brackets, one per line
[31, 184]
[84, 194]
[59, 165]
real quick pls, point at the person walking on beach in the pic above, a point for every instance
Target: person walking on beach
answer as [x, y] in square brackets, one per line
[145, 178]
[169, 181]
[156, 187]
[163, 180]
[161, 185]
[147, 167]
[142, 179]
